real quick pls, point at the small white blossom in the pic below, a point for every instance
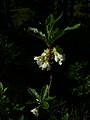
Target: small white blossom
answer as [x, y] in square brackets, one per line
[43, 54]
[42, 60]
[38, 59]
[35, 111]
[60, 62]
[58, 57]
[45, 65]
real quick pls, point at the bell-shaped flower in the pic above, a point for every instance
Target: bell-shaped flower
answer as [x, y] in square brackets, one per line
[39, 60]
[45, 65]
[58, 57]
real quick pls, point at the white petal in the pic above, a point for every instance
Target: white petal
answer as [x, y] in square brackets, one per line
[45, 65]
[35, 111]
[36, 58]
[56, 58]
[43, 54]
[59, 55]
[39, 61]
[48, 67]
[60, 63]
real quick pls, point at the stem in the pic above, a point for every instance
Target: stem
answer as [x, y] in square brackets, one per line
[50, 83]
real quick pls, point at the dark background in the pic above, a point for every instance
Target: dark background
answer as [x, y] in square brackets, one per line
[17, 47]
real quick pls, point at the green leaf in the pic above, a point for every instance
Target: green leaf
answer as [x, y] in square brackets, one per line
[45, 105]
[72, 27]
[44, 92]
[56, 36]
[33, 93]
[49, 98]
[37, 34]
[59, 17]
[65, 117]
[22, 117]
[49, 20]
[49, 24]
[53, 117]
[22, 108]
[1, 86]
[5, 89]
[54, 32]
[36, 31]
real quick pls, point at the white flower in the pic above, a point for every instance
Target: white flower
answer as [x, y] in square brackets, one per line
[35, 111]
[39, 60]
[36, 58]
[44, 54]
[45, 65]
[43, 60]
[58, 57]
[60, 62]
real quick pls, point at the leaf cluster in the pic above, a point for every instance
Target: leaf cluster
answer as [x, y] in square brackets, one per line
[52, 33]
[42, 98]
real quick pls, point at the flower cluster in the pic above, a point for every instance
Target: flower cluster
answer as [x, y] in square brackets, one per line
[58, 57]
[43, 60]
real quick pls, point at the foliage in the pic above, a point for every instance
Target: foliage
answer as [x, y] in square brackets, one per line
[49, 36]
[76, 73]
[8, 109]
[41, 99]
[21, 16]
[54, 109]
[52, 33]
[9, 52]
[79, 111]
